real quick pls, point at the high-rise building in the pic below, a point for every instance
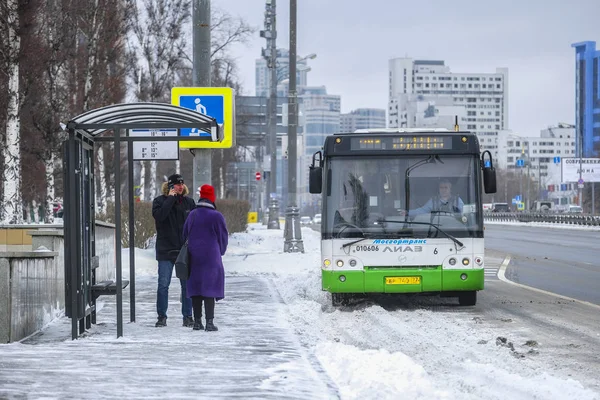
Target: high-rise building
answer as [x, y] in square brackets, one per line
[282, 63]
[480, 100]
[362, 118]
[587, 98]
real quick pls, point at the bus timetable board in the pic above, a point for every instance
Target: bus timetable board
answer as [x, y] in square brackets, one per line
[352, 144]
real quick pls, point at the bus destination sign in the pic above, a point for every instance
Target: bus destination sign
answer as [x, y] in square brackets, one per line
[406, 143]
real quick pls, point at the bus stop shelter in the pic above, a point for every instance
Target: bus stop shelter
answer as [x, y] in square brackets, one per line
[84, 132]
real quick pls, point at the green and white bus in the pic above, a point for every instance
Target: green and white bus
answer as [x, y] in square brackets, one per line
[387, 226]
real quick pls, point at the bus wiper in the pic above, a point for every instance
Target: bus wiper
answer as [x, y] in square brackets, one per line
[365, 237]
[455, 240]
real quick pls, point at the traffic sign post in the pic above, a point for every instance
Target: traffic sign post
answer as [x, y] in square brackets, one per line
[155, 151]
[215, 102]
[257, 176]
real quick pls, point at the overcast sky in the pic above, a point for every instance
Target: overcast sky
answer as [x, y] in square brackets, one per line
[354, 39]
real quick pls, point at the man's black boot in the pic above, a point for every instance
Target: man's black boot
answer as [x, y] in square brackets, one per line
[162, 321]
[210, 326]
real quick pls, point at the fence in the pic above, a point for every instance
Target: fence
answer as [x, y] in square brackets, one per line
[565, 219]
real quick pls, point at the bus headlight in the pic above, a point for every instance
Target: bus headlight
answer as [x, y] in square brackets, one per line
[339, 263]
[352, 263]
[452, 261]
[478, 260]
[463, 277]
[466, 261]
[326, 262]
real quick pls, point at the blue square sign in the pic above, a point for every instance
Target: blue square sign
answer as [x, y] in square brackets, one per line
[211, 105]
[215, 102]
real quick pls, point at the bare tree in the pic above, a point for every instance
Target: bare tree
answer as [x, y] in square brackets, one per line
[156, 50]
[11, 209]
[226, 31]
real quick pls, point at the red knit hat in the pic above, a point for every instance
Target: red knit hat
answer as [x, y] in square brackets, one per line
[207, 192]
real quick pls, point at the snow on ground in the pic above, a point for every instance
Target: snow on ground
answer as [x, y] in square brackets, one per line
[417, 352]
[414, 349]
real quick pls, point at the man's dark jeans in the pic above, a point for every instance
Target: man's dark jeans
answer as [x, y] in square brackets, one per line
[165, 272]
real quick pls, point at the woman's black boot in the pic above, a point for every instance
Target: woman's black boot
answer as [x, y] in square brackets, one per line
[198, 325]
[210, 326]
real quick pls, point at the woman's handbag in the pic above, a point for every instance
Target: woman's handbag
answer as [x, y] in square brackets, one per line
[182, 268]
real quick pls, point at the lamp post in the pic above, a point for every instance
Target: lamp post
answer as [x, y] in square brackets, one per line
[270, 55]
[293, 237]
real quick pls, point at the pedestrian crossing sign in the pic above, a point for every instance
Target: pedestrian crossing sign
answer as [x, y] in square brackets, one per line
[216, 102]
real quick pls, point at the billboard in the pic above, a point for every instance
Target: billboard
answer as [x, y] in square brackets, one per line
[590, 169]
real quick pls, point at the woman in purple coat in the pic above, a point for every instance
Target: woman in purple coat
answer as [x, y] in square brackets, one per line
[207, 233]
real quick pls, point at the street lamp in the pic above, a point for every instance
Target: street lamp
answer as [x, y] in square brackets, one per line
[270, 55]
[293, 237]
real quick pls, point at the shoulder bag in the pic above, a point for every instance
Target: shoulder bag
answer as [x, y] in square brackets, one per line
[182, 267]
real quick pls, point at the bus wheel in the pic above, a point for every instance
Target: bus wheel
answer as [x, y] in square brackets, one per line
[467, 298]
[339, 299]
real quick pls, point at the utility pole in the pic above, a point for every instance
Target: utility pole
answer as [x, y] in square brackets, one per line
[270, 55]
[580, 182]
[201, 78]
[293, 236]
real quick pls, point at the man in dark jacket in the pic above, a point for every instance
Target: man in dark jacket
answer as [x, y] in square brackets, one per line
[170, 211]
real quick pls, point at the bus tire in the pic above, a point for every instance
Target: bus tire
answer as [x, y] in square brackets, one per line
[467, 298]
[339, 299]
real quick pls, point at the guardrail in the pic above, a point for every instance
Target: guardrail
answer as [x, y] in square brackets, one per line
[565, 219]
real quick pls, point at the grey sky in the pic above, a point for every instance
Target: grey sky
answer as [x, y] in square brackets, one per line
[354, 39]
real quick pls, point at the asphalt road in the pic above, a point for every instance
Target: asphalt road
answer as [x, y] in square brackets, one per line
[562, 261]
[560, 333]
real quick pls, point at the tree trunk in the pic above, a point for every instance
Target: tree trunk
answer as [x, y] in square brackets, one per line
[142, 180]
[13, 206]
[102, 183]
[152, 193]
[49, 204]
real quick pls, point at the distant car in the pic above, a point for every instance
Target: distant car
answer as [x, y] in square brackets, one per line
[573, 209]
[500, 207]
[305, 221]
[57, 209]
[317, 219]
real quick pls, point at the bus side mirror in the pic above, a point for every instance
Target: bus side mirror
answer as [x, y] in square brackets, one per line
[489, 173]
[315, 177]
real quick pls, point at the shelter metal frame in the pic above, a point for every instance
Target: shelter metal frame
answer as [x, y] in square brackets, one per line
[81, 288]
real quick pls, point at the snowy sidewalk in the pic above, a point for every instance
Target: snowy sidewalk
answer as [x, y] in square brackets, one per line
[253, 355]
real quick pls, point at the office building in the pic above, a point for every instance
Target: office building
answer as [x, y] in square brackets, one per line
[362, 118]
[587, 98]
[423, 92]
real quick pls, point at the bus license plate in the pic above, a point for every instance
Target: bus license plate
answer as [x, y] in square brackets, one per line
[403, 280]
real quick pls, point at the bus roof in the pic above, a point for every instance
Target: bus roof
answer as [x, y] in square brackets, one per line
[401, 141]
[402, 130]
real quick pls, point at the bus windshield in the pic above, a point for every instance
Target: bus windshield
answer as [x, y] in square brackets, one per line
[402, 196]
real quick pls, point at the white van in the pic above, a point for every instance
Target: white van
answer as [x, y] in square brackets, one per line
[573, 209]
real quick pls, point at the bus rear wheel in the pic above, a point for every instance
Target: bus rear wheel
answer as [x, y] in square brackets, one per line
[339, 299]
[467, 298]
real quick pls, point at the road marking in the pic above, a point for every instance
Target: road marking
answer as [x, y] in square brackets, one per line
[491, 272]
[502, 277]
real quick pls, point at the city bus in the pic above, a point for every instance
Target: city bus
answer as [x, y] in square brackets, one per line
[386, 225]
